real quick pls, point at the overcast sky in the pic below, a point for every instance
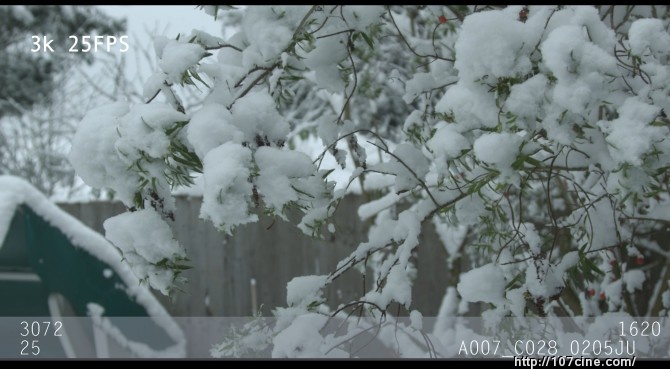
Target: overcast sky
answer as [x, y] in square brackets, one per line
[173, 18]
[146, 21]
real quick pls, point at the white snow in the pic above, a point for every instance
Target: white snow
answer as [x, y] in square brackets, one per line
[649, 34]
[517, 301]
[373, 207]
[448, 310]
[226, 188]
[630, 135]
[498, 149]
[153, 85]
[416, 319]
[525, 99]
[145, 240]
[485, 283]
[602, 235]
[452, 238]
[210, 127]
[112, 138]
[407, 159]
[177, 57]
[141, 349]
[634, 280]
[143, 130]
[491, 43]
[398, 286]
[279, 174]
[360, 17]
[472, 106]
[94, 156]
[447, 143]
[268, 38]
[530, 235]
[323, 60]
[302, 339]
[256, 114]
[15, 191]
[544, 280]
[302, 291]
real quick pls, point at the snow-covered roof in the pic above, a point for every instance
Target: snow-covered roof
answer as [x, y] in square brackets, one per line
[16, 191]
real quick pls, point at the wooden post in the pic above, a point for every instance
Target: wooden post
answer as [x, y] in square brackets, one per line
[254, 301]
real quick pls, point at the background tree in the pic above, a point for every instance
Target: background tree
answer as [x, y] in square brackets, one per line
[41, 98]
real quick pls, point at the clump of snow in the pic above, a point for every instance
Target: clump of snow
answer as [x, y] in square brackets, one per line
[93, 154]
[532, 238]
[541, 281]
[452, 238]
[547, 280]
[491, 43]
[142, 130]
[568, 261]
[328, 129]
[631, 135]
[267, 39]
[146, 241]
[210, 127]
[113, 138]
[416, 319]
[302, 339]
[517, 301]
[153, 85]
[486, 283]
[313, 217]
[256, 116]
[107, 273]
[447, 143]
[226, 187]
[448, 310]
[526, 98]
[666, 299]
[472, 106]
[398, 286]
[602, 235]
[176, 57]
[579, 55]
[634, 279]
[407, 159]
[323, 60]
[649, 34]
[305, 290]
[373, 207]
[279, 177]
[498, 149]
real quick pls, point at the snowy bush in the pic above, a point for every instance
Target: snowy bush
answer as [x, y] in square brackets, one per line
[535, 139]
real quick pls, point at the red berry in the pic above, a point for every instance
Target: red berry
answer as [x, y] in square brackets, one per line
[602, 295]
[591, 292]
[442, 19]
[640, 260]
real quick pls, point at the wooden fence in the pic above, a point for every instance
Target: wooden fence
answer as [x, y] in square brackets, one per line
[272, 254]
